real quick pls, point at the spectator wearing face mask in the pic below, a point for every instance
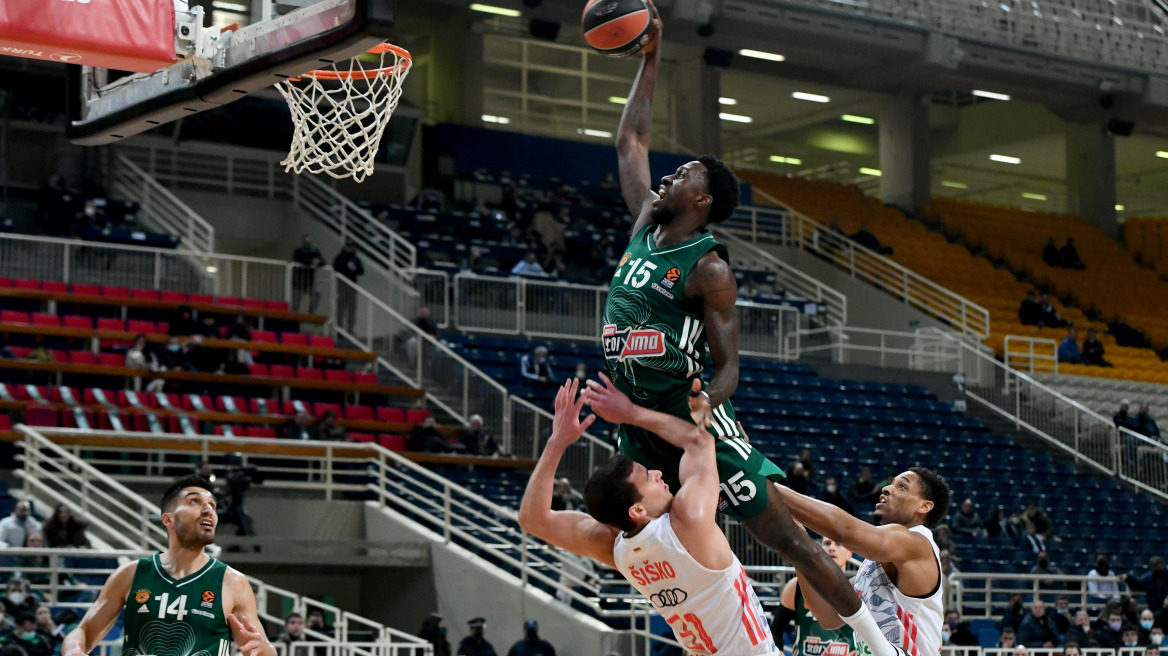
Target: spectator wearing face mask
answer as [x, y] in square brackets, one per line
[26, 636]
[1147, 621]
[1062, 614]
[18, 599]
[1156, 637]
[536, 367]
[833, 495]
[956, 632]
[1130, 636]
[1109, 631]
[15, 528]
[1081, 632]
[1014, 614]
[1099, 582]
[1043, 566]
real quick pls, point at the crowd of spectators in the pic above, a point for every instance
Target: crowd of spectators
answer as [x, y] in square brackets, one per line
[434, 631]
[1066, 257]
[1141, 423]
[1091, 353]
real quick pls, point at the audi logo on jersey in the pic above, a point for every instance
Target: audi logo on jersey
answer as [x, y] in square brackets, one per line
[669, 598]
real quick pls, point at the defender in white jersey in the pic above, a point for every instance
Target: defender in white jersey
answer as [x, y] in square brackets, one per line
[900, 582]
[667, 545]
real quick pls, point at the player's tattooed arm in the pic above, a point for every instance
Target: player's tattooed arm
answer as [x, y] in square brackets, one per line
[713, 281]
[635, 132]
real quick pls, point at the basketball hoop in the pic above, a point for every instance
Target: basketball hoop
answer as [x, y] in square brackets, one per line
[339, 115]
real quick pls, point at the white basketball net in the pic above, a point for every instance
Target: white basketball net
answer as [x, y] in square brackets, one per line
[339, 115]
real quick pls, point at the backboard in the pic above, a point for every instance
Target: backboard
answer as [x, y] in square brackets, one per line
[216, 66]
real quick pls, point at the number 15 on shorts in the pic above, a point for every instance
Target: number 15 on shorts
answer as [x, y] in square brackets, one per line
[736, 490]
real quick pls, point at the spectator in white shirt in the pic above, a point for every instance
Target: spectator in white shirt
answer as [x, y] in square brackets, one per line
[15, 528]
[528, 266]
[1101, 583]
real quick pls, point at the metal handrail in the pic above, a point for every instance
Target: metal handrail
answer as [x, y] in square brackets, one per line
[919, 355]
[1030, 357]
[161, 207]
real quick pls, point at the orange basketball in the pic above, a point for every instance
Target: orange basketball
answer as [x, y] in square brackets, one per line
[617, 28]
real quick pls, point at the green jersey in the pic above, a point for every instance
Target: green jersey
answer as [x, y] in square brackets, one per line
[165, 617]
[811, 639]
[654, 345]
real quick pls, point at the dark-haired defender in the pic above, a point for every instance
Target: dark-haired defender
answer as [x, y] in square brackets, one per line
[901, 578]
[672, 297]
[180, 602]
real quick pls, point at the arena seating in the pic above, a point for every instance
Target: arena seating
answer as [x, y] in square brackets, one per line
[848, 424]
[1146, 239]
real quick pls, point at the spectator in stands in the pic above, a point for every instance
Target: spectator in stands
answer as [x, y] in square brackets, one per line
[1130, 607]
[1125, 335]
[944, 539]
[1042, 565]
[748, 289]
[1147, 622]
[184, 323]
[536, 367]
[581, 373]
[329, 430]
[948, 569]
[1068, 350]
[14, 529]
[1006, 638]
[299, 428]
[1130, 636]
[207, 326]
[347, 264]
[1050, 316]
[239, 330]
[293, 631]
[547, 230]
[528, 266]
[1042, 523]
[796, 479]
[564, 497]
[1051, 254]
[478, 441]
[996, 524]
[64, 530]
[173, 357]
[1062, 611]
[809, 468]
[309, 257]
[18, 598]
[1030, 312]
[1145, 425]
[864, 491]
[429, 438]
[833, 495]
[1038, 628]
[139, 356]
[434, 631]
[868, 240]
[1081, 633]
[1032, 540]
[1013, 615]
[1156, 636]
[1153, 582]
[1123, 417]
[1069, 255]
[426, 325]
[531, 644]
[966, 521]
[1099, 582]
[1151, 650]
[203, 358]
[1093, 351]
[960, 632]
[26, 636]
[314, 620]
[49, 628]
[1109, 630]
[91, 216]
[475, 644]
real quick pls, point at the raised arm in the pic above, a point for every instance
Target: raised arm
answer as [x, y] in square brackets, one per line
[567, 529]
[636, 130]
[103, 614]
[891, 543]
[713, 281]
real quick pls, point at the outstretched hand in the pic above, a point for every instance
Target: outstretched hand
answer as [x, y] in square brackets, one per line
[654, 41]
[250, 638]
[609, 402]
[699, 405]
[567, 427]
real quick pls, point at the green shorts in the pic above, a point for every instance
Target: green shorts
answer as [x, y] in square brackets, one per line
[743, 471]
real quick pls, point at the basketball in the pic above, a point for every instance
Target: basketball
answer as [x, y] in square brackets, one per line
[617, 28]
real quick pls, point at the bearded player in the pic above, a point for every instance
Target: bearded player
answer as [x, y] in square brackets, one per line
[179, 602]
[671, 298]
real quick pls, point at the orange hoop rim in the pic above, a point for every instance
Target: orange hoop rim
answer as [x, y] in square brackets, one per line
[381, 48]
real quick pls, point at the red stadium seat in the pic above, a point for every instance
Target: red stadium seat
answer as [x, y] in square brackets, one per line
[229, 301]
[263, 406]
[70, 418]
[258, 370]
[322, 342]
[289, 407]
[58, 395]
[201, 298]
[115, 292]
[82, 357]
[34, 285]
[43, 319]
[5, 423]
[296, 339]
[87, 290]
[54, 287]
[361, 412]
[163, 328]
[221, 404]
[308, 373]
[318, 409]
[365, 378]
[415, 416]
[111, 324]
[111, 360]
[31, 392]
[174, 297]
[37, 415]
[392, 442]
[5, 281]
[105, 423]
[139, 326]
[338, 375]
[188, 402]
[362, 437]
[12, 316]
[74, 321]
[391, 414]
[260, 431]
[282, 371]
[276, 305]
[254, 303]
[266, 336]
[146, 294]
[59, 355]
[117, 398]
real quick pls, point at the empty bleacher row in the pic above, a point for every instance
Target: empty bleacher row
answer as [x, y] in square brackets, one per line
[786, 407]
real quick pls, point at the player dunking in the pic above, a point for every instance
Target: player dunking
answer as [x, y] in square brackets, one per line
[665, 541]
[811, 639]
[672, 297]
[180, 602]
[900, 579]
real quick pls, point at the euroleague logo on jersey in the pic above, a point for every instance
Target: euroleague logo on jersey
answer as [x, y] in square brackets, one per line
[629, 343]
[671, 278]
[813, 646]
[208, 599]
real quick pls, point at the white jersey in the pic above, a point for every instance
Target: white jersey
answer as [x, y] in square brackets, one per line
[710, 611]
[912, 623]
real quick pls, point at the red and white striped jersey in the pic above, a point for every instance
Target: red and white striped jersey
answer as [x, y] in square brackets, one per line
[710, 611]
[911, 623]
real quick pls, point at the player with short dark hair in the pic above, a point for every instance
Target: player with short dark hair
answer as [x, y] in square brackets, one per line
[180, 596]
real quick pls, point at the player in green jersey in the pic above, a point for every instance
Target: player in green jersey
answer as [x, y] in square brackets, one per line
[672, 298]
[180, 602]
[811, 639]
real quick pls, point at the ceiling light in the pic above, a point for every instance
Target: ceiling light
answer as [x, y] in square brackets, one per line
[1119, 208]
[728, 101]
[594, 133]
[617, 100]
[779, 159]
[811, 97]
[737, 118]
[990, 94]
[1162, 153]
[230, 6]
[758, 54]
[498, 11]
[864, 170]
[1006, 159]
[501, 120]
[1033, 196]
[212, 268]
[852, 118]
[954, 185]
